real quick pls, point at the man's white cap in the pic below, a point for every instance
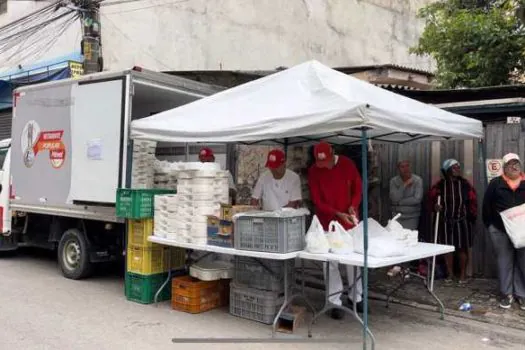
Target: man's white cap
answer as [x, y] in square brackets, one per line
[510, 156]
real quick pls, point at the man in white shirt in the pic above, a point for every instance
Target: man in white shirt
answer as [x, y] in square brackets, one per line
[206, 156]
[279, 187]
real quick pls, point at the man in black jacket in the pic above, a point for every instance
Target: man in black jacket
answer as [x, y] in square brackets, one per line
[505, 192]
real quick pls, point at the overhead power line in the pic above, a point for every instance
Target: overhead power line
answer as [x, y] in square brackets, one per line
[146, 7]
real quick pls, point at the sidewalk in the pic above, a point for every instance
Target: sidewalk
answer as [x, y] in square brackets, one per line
[481, 293]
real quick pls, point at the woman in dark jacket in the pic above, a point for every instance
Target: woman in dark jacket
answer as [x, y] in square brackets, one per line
[505, 192]
[458, 212]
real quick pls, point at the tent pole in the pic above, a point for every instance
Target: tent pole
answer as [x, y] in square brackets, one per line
[187, 152]
[364, 174]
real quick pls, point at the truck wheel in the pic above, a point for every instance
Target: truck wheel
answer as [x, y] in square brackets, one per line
[73, 255]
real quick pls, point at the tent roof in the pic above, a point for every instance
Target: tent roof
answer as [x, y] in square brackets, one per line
[305, 103]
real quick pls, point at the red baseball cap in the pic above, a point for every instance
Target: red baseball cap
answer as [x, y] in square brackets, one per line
[323, 154]
[206, 153]
[276, 158]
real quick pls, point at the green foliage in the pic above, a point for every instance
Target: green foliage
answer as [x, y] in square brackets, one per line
[474, 42]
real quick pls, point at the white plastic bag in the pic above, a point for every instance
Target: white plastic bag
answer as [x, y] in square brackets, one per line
[394, 225]
[316, 242]
[408, 238]
[380, 243]
[339, 239]
[514, 221]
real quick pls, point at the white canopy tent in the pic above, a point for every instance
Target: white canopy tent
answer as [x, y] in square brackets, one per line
[303, 104]
[306, 102]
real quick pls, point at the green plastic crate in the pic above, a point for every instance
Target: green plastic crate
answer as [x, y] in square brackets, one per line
[137, 203]
[142, 288]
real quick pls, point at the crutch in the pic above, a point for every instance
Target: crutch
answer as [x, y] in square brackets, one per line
[436, 226]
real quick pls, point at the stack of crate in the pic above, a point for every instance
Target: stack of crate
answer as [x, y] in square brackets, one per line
[257, 290]
[147, 263]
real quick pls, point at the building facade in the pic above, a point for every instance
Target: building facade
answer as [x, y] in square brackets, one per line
[169, 35]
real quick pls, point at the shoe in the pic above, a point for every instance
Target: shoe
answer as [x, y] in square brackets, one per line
[506, 302]
[521, 302]
[337, 314]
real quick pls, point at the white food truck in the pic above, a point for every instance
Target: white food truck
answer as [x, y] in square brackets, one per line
[69, 152]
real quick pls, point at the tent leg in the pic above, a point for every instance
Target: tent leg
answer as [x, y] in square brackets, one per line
[187, 152]
[364, 174]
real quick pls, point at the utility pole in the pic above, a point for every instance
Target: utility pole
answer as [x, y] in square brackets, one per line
[91, 46]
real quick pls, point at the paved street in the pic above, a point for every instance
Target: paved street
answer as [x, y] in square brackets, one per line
[39, 309]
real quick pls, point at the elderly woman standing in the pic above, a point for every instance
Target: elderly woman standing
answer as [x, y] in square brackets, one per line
[458, 212]
[505, 192]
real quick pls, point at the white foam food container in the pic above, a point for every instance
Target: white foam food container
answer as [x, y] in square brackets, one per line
[212, 270]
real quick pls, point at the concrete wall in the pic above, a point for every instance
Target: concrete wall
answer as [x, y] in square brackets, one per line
[247, 34]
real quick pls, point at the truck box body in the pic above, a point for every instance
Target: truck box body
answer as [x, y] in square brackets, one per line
[69, 148]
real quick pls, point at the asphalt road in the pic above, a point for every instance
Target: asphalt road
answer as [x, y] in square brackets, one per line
[39, 309]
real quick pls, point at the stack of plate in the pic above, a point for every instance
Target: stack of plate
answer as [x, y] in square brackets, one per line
[142, 170]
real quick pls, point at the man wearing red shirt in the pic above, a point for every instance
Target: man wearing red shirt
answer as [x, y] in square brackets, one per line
[335, 190]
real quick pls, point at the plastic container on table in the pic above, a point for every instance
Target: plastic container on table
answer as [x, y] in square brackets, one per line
[270, 234]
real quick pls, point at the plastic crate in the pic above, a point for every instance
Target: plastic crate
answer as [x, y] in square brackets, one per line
[137, 203]
[267, 234]
[142, 288]
[139, 231]
[156, 259]
[254, 304]
[177, 258]
[261, 274]
[194, 296]
[147, 261]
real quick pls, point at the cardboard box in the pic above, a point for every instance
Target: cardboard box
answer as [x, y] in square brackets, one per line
[213, 225]
[226, 227]
[220, 232]
[229, 211]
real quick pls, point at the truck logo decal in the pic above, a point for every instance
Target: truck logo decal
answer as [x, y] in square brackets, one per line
[35, 141]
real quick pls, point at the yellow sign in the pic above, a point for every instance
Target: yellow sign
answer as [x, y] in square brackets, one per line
[76, 68]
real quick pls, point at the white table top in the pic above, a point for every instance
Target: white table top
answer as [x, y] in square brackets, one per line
[223, 250]
[420, 251]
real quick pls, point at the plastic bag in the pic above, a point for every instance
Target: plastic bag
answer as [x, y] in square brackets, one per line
[514, 221]
[408, 238]
[380, 243]
[339, 239]
[316, 241]
[394, 225]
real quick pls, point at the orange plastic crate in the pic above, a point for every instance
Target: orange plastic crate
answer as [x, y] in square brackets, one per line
[194, 296]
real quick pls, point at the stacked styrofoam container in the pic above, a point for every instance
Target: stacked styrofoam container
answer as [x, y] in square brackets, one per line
[184, 217]
[166, 174]
[142, 170]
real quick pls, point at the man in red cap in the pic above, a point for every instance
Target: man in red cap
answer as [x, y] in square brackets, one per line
[278, 187]
[335, 190]
[206, 156]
